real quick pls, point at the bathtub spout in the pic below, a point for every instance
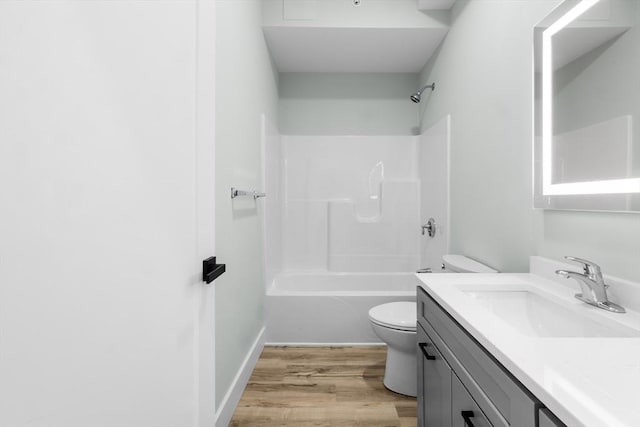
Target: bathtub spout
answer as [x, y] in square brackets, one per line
[424, 270]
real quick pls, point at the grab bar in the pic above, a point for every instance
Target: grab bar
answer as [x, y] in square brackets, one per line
[237, 193]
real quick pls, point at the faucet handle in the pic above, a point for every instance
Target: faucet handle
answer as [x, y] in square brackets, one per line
[590, 268]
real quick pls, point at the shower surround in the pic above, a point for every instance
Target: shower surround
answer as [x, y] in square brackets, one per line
[342, 228]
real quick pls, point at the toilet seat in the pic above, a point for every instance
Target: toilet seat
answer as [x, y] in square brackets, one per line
[400, 315]
[462, 264]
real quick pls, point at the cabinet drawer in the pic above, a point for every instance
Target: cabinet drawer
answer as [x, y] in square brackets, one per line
[480, 373]
[465, 411]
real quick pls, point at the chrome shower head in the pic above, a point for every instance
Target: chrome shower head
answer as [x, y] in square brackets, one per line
[415, 97]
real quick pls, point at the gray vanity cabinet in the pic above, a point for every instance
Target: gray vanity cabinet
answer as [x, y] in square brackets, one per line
[435, 388]
[458, 378]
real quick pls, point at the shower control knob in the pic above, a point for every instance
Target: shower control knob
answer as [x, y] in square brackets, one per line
[429, 228]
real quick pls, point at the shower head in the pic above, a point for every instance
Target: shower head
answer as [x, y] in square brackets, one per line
[415, 97]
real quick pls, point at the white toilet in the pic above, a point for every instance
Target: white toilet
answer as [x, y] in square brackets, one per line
[395, 324]
[462, 264]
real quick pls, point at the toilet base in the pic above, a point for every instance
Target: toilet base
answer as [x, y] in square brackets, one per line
[400, 374]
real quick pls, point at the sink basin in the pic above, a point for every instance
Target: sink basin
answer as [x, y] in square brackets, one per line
[534, 315]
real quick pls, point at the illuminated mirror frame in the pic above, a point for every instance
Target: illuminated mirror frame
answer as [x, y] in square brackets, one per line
[614, 186]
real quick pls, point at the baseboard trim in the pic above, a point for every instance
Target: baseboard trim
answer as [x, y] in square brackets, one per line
[231, 399]
[323, 344]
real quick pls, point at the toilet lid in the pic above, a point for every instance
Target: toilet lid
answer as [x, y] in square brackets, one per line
[396, 315]
[462, 264]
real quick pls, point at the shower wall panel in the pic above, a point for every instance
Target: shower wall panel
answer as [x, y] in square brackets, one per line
[350, 203]
[305, 235]
[272, 214]
[386, 241]
[433, 158]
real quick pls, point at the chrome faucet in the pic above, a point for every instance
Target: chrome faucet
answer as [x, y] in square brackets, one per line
[594, 290]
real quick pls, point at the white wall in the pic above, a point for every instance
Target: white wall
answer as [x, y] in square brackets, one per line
[247, 88]
[610, 239]
[347, 104]
[483, 75]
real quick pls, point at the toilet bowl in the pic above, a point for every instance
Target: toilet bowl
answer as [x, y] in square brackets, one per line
[395, 324]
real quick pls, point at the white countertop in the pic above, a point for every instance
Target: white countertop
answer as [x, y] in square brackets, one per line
[590, 382]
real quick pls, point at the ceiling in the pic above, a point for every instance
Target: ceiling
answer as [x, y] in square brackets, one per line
[347, 36]
[435, 4]
[352, 50]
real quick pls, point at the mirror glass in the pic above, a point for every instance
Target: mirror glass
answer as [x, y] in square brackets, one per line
[587, 105]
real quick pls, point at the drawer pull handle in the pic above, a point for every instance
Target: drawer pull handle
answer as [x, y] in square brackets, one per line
[423, 348]
[467, 415]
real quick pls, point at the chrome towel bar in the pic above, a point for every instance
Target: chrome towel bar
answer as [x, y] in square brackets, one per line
[237, 193]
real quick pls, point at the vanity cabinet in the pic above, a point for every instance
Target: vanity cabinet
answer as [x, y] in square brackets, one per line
[458, 378]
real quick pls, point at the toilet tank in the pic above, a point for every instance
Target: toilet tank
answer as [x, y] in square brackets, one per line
[462, 264]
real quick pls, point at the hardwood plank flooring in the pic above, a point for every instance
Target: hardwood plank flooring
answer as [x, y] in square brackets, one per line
[322, 386]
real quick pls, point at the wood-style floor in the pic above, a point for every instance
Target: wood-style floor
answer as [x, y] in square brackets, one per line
[322, 386]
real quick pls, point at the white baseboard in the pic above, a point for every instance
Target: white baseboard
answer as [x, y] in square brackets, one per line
[228, 405]
[324, 344]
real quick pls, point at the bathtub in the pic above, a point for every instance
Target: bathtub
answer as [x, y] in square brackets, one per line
[330, 308]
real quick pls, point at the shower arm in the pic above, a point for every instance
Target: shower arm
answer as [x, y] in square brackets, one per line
[432, 86]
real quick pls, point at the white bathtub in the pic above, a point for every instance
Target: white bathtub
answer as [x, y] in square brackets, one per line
[331, 308]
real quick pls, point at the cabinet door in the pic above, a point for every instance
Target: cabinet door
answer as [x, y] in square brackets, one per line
[547, 419]
[434, 385]
[464, 410]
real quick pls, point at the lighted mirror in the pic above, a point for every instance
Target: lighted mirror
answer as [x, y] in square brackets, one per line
[587, 105]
